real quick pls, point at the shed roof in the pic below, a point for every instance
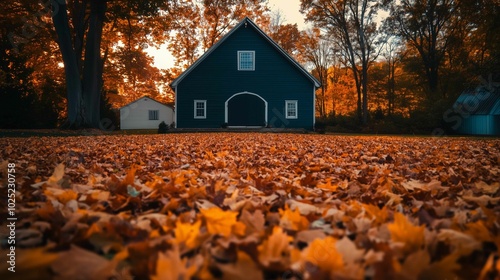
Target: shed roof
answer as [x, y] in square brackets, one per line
[245, 22]
[167, 105]
[480, 101]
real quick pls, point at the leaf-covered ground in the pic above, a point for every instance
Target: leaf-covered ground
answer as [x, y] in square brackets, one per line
[253, 206]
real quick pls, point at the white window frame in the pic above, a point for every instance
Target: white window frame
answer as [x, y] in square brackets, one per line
[239, 61]
[152, 114]
[296, 103]
[204, 102]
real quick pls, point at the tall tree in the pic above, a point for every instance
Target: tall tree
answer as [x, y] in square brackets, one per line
[427, 26]
[317, 51]
[352, 23]
[392, 58]
[79, 26]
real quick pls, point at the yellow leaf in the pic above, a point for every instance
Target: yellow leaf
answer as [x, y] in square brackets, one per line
[170, 266]
[62, 196]
[380, 215]
[405, 232]
[292, 220]
[219, 221]
[239, 228]
[323, 253]
[187, 233]
[130, 177]
[327, 186]
[57, 175]
[274, 248]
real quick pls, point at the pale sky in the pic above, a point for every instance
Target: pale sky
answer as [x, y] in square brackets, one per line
[291, 11]
[289, 8]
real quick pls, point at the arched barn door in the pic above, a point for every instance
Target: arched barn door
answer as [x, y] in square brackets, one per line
[246, 109]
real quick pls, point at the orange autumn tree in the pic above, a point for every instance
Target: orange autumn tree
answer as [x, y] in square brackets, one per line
[317, 51]
[198, 25]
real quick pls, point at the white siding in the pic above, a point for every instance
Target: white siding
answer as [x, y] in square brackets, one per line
[136, 114]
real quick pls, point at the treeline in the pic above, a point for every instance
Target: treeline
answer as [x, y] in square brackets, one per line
[397, 66]
[382, 64]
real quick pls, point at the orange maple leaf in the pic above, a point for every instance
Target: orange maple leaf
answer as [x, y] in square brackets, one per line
[62, 196]
[374, 212]
[187, 233]
[219, 221]
[327, 186]
[292, 220]
[323, 253]
[402, 230]
[170, 266]
[273, 249]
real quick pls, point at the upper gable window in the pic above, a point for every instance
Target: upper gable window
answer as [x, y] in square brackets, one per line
[246, 60]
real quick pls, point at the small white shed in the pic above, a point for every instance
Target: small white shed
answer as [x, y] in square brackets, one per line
[145, 113]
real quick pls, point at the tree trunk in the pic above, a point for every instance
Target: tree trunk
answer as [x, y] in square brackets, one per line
[75, 118]
[365, 91]
[92, 72]
[391, 90]
[433, 80]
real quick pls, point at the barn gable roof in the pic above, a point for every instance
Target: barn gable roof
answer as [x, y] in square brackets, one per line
[245, 22]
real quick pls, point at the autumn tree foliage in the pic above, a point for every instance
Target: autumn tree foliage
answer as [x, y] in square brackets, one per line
[428, 27]
[315, 50]
[287, 35]
[198, 25]
[450, 38]
[80, 26]
[353, 24]
[30, 81]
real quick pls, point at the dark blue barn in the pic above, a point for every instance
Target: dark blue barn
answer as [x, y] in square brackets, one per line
[245, 80]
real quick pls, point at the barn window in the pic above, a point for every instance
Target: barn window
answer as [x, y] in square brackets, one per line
[153, 115]
[291, 109]
[200, 109]
[246, 60]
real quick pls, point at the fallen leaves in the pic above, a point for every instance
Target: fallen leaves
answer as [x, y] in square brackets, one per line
[255, 206]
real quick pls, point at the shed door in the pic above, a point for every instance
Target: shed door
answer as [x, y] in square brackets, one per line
[246, 110]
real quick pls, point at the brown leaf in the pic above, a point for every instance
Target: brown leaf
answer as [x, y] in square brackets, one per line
[254, 222]
[244, 268]
[79, 263]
